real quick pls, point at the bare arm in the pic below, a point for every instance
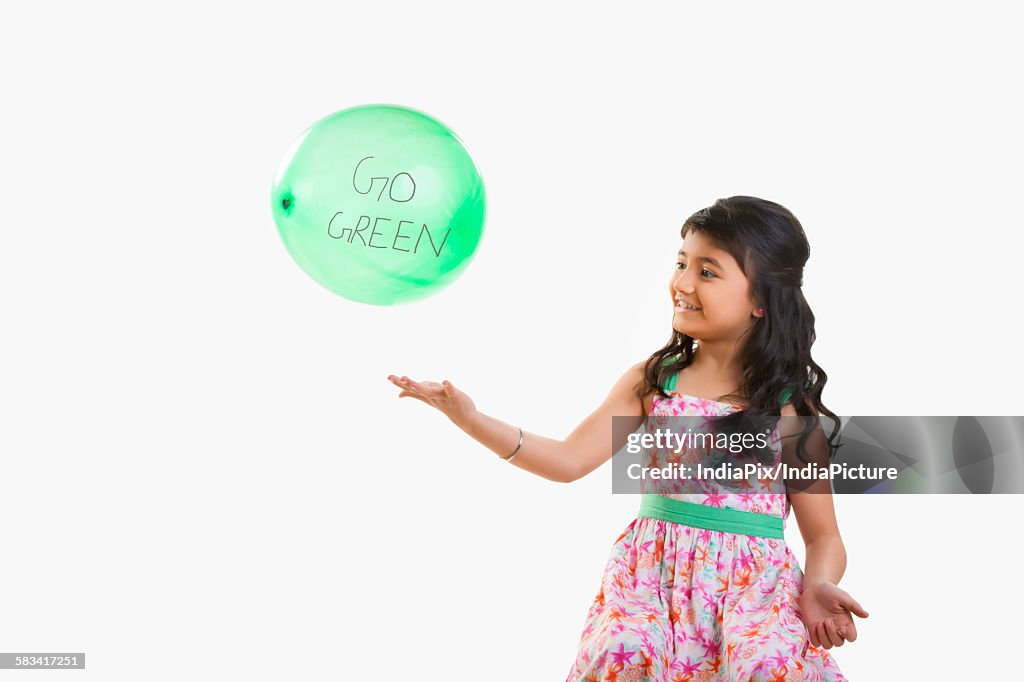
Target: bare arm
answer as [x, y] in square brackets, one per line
[585, 449]
[826, 554]
[827, 610]
[815, 512]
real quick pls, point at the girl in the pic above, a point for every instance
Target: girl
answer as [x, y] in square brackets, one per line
[704, 587]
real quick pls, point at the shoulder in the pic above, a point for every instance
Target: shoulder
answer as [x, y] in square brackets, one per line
[631, 378]
[788, 427]
[624, 398]
[641, 367]
[635, 374]
[792, 427]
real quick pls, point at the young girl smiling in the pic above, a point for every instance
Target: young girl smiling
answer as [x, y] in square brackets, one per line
[704, 586]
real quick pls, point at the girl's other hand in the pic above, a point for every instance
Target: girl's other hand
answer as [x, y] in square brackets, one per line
[826, 611]
[455, 404]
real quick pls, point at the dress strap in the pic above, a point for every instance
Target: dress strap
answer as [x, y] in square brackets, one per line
[670, 383]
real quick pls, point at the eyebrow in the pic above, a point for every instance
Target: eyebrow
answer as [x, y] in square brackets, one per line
[705, 259]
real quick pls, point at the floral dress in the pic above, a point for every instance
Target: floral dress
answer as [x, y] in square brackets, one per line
[681, 603]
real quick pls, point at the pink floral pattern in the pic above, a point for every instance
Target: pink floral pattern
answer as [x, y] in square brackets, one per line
[678, 603]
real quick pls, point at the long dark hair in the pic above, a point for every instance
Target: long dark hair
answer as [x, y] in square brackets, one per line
[770, 246]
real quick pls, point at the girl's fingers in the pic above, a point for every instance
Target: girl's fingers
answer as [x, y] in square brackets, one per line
[823, 637]
[401, 382]
[410, 385]
[421, 391]
[814, 635]
[849, 603]
[425, 388]
[833, 632]
[849, 632]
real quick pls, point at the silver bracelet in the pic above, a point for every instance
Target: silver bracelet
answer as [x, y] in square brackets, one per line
[516, 451]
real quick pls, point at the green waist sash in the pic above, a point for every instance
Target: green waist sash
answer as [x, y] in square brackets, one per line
[711, 518]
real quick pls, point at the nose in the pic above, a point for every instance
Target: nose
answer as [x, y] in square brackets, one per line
[682, 281]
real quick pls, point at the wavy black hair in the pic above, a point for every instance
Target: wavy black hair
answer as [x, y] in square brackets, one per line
[770, 246]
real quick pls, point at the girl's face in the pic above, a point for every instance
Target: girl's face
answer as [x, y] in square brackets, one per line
[711, 279]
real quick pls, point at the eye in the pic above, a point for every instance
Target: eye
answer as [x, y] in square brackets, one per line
[682, 266]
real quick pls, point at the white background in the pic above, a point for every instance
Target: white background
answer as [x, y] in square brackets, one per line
[206, 474]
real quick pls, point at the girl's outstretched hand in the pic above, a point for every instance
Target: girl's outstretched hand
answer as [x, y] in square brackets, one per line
[455, 404]
[826, 610]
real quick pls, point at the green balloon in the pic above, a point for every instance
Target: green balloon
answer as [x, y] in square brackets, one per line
[379, 203]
